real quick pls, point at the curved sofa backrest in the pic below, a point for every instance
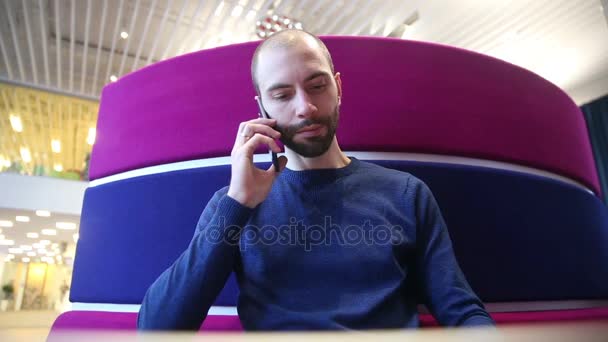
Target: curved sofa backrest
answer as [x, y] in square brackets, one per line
[505, 152]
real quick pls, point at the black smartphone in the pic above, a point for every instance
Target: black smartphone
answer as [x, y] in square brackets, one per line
[263, 114]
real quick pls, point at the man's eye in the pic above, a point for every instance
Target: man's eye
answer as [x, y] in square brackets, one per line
[318, 87]
[279, 97]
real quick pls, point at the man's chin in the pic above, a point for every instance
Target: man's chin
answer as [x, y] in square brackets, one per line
[310, 149]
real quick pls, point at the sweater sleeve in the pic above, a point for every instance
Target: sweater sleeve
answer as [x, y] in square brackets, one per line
[447, 293]
[182, 295]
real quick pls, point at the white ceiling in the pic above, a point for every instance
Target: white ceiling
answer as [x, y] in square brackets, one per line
[74, 46]
[18, 233]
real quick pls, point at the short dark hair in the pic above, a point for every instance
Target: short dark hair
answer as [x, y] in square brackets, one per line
[285, 39]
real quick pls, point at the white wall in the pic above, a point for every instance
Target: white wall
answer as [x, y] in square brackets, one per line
[33, 193]
[589, 91]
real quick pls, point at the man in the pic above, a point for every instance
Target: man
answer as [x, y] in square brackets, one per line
[329, 242]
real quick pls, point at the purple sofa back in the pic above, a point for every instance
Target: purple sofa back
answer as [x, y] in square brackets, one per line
[397, 96]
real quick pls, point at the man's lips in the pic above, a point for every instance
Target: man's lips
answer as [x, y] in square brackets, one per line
[310, 131]
[312, 127]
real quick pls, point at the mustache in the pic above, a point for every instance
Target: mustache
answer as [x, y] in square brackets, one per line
[292, 129]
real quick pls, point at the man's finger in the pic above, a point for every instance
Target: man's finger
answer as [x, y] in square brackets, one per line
[263, 121]
[259, 139]
[248, 128]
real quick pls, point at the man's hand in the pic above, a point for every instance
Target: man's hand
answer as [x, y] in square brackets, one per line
[248, 184]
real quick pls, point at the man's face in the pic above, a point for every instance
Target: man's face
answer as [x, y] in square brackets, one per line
[299, 91]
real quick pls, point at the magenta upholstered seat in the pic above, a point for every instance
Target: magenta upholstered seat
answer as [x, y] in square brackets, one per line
[104, 320]
[99, 320]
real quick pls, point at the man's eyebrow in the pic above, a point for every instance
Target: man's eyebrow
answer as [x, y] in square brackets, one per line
[277, 86]
[316, 74]
[310, 77]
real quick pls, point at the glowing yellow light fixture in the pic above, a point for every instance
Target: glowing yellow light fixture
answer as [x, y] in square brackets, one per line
[56, 146]
[16, 123]
[26, 156]
[91, 136]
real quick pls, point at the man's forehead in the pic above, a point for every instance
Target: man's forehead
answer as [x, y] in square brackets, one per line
[279, 62]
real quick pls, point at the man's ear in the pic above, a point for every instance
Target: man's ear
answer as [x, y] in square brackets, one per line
[339, 86]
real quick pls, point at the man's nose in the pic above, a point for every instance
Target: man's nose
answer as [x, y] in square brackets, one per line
[304, 106]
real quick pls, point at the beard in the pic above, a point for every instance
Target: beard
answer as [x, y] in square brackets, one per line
[313, 146]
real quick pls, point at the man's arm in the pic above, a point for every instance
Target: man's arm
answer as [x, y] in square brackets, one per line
[447, 294]
[182, 295]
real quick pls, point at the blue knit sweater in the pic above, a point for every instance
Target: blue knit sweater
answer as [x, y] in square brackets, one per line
[350, 248]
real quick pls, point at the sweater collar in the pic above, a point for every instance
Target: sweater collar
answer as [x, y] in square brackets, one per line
[320, 175]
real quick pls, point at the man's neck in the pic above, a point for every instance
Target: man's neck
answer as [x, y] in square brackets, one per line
[333, 158]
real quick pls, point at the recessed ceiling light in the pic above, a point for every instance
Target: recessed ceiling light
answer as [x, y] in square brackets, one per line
[91, 136]
[113, 78]
[48, 260]
[7, 242]
[4, 162]
[26, 156]
[32, 254]
[56, 146]
[43, 213]
[76, 237]
[22, 218]
[66, 225]
[45, 242]
[48, 232]
[16, 123]
[15, 250]
[219, 8]
[41, 251]
[25, 259]
[26, 247]
[32, 236]
[6, 223]
[236, 11]
[124, 35]
[58, 167]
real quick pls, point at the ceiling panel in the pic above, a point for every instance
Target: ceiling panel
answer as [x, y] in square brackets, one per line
[59, 246]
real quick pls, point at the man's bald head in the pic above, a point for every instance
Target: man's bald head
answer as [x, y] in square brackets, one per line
[286, 39]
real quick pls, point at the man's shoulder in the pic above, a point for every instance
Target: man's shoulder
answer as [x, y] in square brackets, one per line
[382, 171]
[378, 172]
